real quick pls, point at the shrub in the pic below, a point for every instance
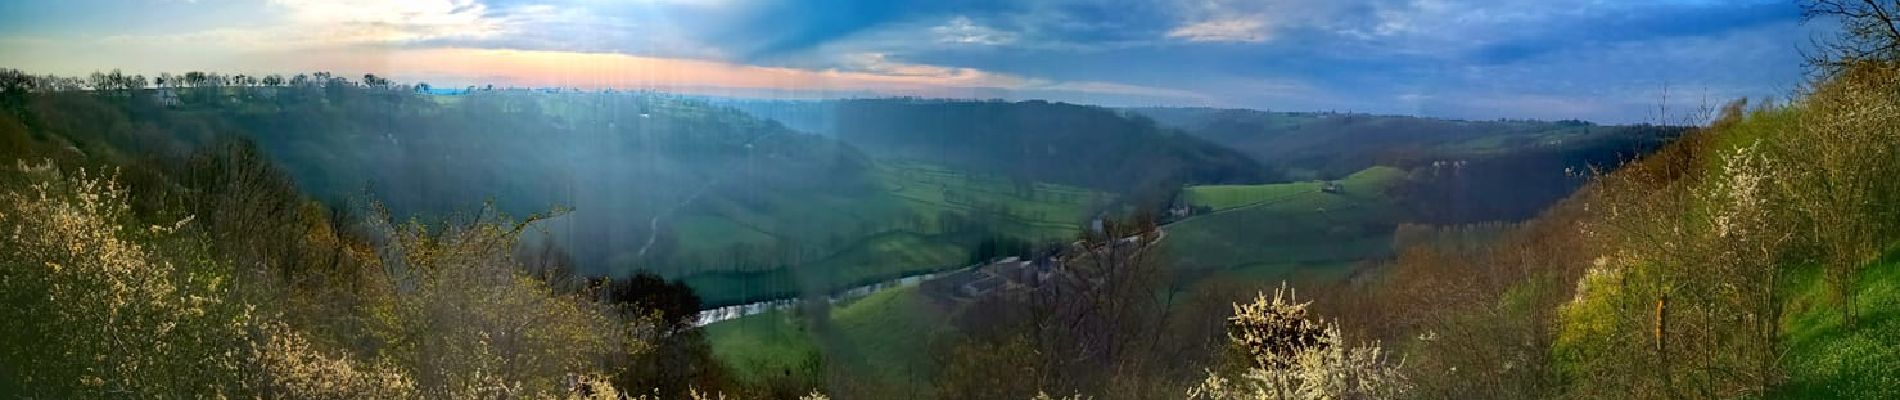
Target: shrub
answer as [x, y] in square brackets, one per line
[1294, 357]
[110, 307]
[99, 305]
[453, 307]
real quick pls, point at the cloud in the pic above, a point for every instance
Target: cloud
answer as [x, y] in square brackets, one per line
[962, 30]
[372, 21]
[877, 67]
[1503, 31]
[770, 29]
[659, 28]
[1224, 21]
[288, 25]
[1243, 29]
[865, 75]
[1465, 58]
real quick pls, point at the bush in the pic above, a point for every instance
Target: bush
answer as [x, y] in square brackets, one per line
[99, 305]
[111, 307]
[1293, 357]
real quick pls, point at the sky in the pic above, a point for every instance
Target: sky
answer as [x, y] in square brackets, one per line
[1612, 61]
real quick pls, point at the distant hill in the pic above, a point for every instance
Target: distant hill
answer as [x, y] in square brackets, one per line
[1030, 141]
[1390, 170]
[654, 181]
[1465, 171]
[812, 116]
[1333, 145]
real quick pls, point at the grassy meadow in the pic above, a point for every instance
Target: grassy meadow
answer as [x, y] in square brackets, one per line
[1266, 226]
[884, 340]
[922, 218]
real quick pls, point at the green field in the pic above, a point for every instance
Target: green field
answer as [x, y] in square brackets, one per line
[880, 257]
[888, 256]
[758, 346]
[819, 222]
[1227, 197]
[706, 233]
[887, 338]
[1028, 210]
[909, 225]
[1828, 359]
[881, 340]
[1290, 223]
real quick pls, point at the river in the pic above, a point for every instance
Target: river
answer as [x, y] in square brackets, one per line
[727, 313]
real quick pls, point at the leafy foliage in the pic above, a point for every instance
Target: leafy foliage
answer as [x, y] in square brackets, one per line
[106, 305]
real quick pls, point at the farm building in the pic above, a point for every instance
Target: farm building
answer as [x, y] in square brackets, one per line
[165, 97]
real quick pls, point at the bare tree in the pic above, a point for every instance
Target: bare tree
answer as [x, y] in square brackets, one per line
[1868, 32]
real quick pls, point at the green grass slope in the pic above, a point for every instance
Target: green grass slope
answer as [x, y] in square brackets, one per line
[1286, 224]
[880, 257]
[760, 346]
[1225, 197]
[887, 339]
[1027, 210]
[1827, 358]
[882, 341]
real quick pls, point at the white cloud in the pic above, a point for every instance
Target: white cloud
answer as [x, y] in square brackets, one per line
[392, 20]
[1399, 26]
[1231, 20]
[330, 24]
[878, 66]
[962, 30]
[1239, 29]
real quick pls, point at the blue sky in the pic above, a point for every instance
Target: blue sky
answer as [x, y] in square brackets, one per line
[1602, 60]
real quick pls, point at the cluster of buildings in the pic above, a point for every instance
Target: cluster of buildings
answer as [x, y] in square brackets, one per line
[1018, 275]
[1009, 273]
